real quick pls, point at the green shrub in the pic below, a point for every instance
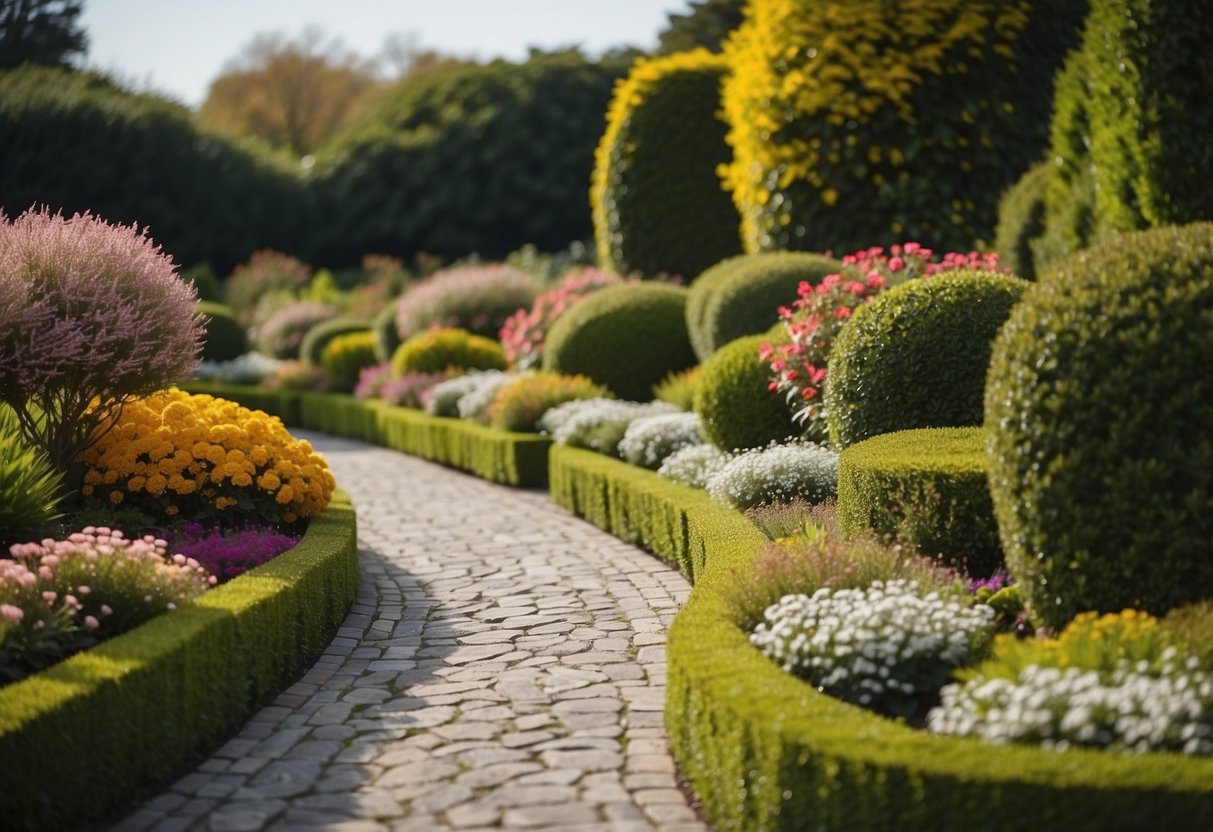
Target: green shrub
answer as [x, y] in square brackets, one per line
[484, 158]
[626, 337]
[30, 486]
[657, 203]
[203, 278]
[925, 487]
[344, 358]
[314, 342]
[916, 356]
[437, 349]
[1099, 413]
[77, 142]
[846, 135]
[742, 295]
[735, 403]
[226, 337]
[678, 388]
[387, 339]
[1021, 220]
[520, 406]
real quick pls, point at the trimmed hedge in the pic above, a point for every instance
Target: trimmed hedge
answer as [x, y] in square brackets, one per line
[766, 751]
[656, 200]
[1021, 221]
[435, 350]
[733, 399]
[742, 295]
[318, 337]
[226, 337]
[78, 738]
[926, 487]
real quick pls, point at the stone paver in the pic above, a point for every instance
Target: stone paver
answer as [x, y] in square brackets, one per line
[503, 667]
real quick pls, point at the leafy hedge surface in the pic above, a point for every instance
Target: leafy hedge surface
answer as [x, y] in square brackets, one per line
[928, 487]
[741, 295]
[226, 337]
[657, 202]
[74, 141]
[485, 159]
[1021, 221]
[1099, 423]
[734, 402]
[766, 751]
[77, 739]
[318, 337]
[856, 123]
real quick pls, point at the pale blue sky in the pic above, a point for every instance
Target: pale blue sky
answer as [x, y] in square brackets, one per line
[177, 47]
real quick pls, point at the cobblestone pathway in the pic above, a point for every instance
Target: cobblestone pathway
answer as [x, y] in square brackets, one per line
[502, 667]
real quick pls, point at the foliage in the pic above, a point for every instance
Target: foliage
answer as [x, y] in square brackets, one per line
[91, 316]
[776, 474]
[318, 337]
[226, 339]
[79, 143]
[693, 465]
[865, 122]
[916, 356]
[596, 424]
[480, 159]
[523, 333]
[884, 646]
[650, 439]
[678, 388]
[183, 457]
[346, 356]
[281, 334]
[625, 337]
[520, 405]
[743, 295]
[437, 350]
[706, 24]
[1101, 505]
[205, 282]
[226, 553]
[1021, 221]
[264, 272]
[31, 489]
[657, 205]
[732, 397]
[476, 298]
[42, 32]
[387, 339]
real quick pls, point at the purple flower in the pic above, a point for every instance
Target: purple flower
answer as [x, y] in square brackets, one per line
[999, 580]
[226, 554]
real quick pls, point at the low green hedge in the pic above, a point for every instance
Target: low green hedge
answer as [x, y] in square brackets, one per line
[766, 751]
[78, 738]
[281, 403]
[926, 486]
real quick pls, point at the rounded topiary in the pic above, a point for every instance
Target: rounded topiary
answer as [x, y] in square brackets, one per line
[734, 400]
[1099, 420]
[345, 356]
[226, 337]
[439, 349]
[742, 295]
[657, 202]
[926, 487]
[387, 337]
[916, 356]
[318, 337]
[626, 337]
[1021, 220]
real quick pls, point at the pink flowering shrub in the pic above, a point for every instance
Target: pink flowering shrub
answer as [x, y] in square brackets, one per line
[282, 332]
[265, 272]
[228, 553]
[813, 321]
[92, 315]
[475, 298]
[523, 332]
[371, 381]
[59, 596]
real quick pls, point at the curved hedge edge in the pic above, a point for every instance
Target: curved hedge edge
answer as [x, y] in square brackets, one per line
[79, 738]
[765, 750]
[281, 403]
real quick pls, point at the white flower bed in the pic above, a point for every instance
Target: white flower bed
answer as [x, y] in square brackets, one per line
[776, 474]
[650, 439]
[249, 368]
[597, 424]
[475, 404]
[882, 646]
[445, 396]
[694, 465]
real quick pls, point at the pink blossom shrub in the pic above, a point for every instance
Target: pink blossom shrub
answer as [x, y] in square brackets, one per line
[475, 298]
[228, 553]
[266, 271]
[371, 381]
[92, 315]
[282, 333]
[523, 332]
[813, 321]
[413, 389]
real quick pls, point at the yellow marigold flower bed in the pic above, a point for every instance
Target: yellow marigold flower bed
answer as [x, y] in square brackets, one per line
[197, 457]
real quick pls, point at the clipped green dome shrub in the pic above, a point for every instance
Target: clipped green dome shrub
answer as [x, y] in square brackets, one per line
[626, 337]
[656, 199]
[916, 356]
[345, 356]
[1021, 220]
[226, 337]
[439, 349]
[856, 122]
[926, 487]
[733, 399]
[311, 348]
[742, 295]
[387, 337]
[1099, 425]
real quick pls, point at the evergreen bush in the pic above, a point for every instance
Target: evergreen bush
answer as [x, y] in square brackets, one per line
[733, 399]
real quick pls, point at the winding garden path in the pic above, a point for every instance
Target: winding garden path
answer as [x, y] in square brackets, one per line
[502, 667]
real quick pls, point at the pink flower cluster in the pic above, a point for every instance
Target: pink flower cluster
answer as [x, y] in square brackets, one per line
[813, 321]
[523, 333]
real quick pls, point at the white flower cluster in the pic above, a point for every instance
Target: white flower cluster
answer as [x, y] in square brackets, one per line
[475, 404]
[881, 646]
[445, 396]
[776, 473]
[650, 439]
[249, 368]
[1130, 709]
[694, 465]
[597, 424]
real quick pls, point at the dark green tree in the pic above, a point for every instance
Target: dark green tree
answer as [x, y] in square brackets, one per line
[706, 24]
[41, 32]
